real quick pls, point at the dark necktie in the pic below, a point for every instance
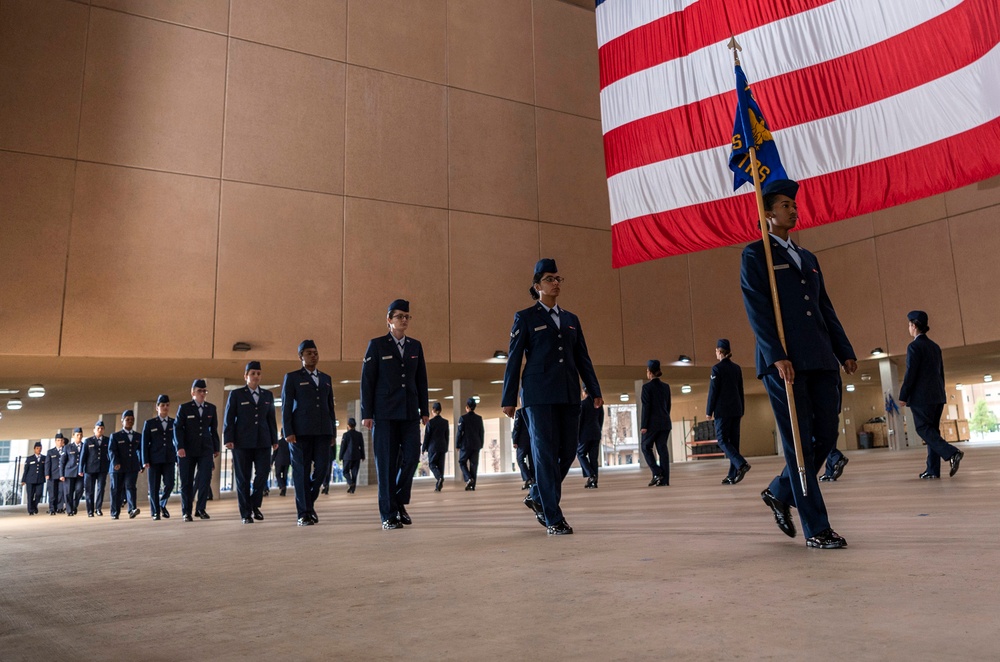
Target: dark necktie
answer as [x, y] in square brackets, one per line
[256, 398]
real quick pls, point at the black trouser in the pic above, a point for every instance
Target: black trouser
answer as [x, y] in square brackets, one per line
[310, 462]
[469, 463]
[73, 492]
[32, 495]
[727, 435]
[93, 490]
[657, 439]
[435, 462]
[523, 459]
[54, 487]
[927, 421]
[397, 452]
[123, 488]
[195, 474]
[554, 431]
[351, 472]
[589, 454]
[157, 473]
[246, 461]
[281, 475]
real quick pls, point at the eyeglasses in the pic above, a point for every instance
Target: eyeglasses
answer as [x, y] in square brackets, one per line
[401, 316]
[201, 390]
[553, 279]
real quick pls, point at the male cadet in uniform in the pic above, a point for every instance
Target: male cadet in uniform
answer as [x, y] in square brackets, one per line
[469, 441]
[521, 441]
[282, 459]
[923, 392]
[550, 342]
[352, 451]
[588, 448]
[53, 475]
[159, 456]
[33, 479]
[309, 422]
[725, 405]
[94, 463]
[656, 425]
[817, 347]
[436, 435]
[393, 405]
[125, 458]
[251, 433]
[72, 475]
[196, 438]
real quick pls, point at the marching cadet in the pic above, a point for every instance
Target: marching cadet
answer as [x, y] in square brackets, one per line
[656, 424]
[923, 392]
[94, 462]
[835, 463]
[817, 347]
[125, 458]
[33, 479]
[725, 405]
[521, 441]
[72, 476]
[309, 421]
[550, 342]
[393, 406]
[251, 433]
[469, 441]
[281, 459]
[436, 434]
[588, 448]
[196, 439]
[159, 457]
[53, 475]
[352, 451]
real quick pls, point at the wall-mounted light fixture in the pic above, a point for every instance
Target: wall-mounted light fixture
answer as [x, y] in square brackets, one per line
[987, 378]
[878, 351]
[684, 358]
[865, 377]
[958, 386]
[242, 347]
[500, 354]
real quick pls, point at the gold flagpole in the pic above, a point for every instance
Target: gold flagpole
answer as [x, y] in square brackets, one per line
[789, 393]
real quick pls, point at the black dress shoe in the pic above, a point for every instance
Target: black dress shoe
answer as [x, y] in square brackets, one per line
[838, 468]
[727, 481]
[187, 518]
[201, 514]
[165, 512]
[526, 486]
[561, 529]
[248, 520]
[782, 513]
[468, 486]
[742, 471]
[52, 512]
[826, 540]
[662, 482]
[439, 484]
[653, 482]
[257, 514]
[282, 492]
[156, 516]
[114, 517]
[955, 460]
[403, 516]
[305, 521]
[391, 523]
[314, 517]
[325, 490]
[826, 479]
[133, 513]
[90, 514]
[99, 513]
[928, 476]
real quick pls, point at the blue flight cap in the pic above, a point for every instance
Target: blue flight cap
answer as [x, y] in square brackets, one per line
[198, 383]
[436, 406]
[918, 317]
[127, 413]
[306, 344]
[471, 403]
[781, 186]
[59, 435]
[722, 344]
[401, 305]
[351, 422]
[99, 424]
[75, 430]
[251, 365]
[38, 444]
[163, 399]
[546, 265]
[653, 365]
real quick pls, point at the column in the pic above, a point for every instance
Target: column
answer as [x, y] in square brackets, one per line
[217, 395]
[506, 445]
[898, 437]
[461, 390]
[366, 474]
[143, 410]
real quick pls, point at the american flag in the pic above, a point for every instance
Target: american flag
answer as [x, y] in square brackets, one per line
[872, 103]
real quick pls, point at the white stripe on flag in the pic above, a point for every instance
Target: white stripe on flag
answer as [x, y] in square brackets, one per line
[709, 72]
[952, 104]
[617, 17]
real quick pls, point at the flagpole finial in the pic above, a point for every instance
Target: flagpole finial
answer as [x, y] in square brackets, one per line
[735, 47]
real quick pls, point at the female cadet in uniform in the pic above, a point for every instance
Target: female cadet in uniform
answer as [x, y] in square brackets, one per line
[550, 342]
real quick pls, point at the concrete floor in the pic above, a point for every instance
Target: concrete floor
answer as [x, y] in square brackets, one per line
[695, 571]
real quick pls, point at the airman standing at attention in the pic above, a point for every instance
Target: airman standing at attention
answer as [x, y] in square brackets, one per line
[725, 405]
[309, 421]
[550, 343]
[159, 457]
[393, 405]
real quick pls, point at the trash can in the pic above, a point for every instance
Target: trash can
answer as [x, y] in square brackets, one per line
[865, 440]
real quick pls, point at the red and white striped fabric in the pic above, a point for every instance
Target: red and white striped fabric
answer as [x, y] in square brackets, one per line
[872, 103]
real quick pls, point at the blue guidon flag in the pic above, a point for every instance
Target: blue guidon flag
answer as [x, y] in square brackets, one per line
[751, 130]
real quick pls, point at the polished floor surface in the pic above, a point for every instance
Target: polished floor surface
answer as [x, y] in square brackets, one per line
[694, 571]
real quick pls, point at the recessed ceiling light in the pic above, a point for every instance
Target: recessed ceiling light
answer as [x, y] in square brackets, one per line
[497, 381]
[435, 390]
[684, 358]
[987, 378]
[686, 388]
[36, 391]
[14, 404]
[878, 351]
[623, 397]
[850, 388]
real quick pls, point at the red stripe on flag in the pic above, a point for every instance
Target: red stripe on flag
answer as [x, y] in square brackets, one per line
[851, 81]
[699, 25]
[935, 168]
